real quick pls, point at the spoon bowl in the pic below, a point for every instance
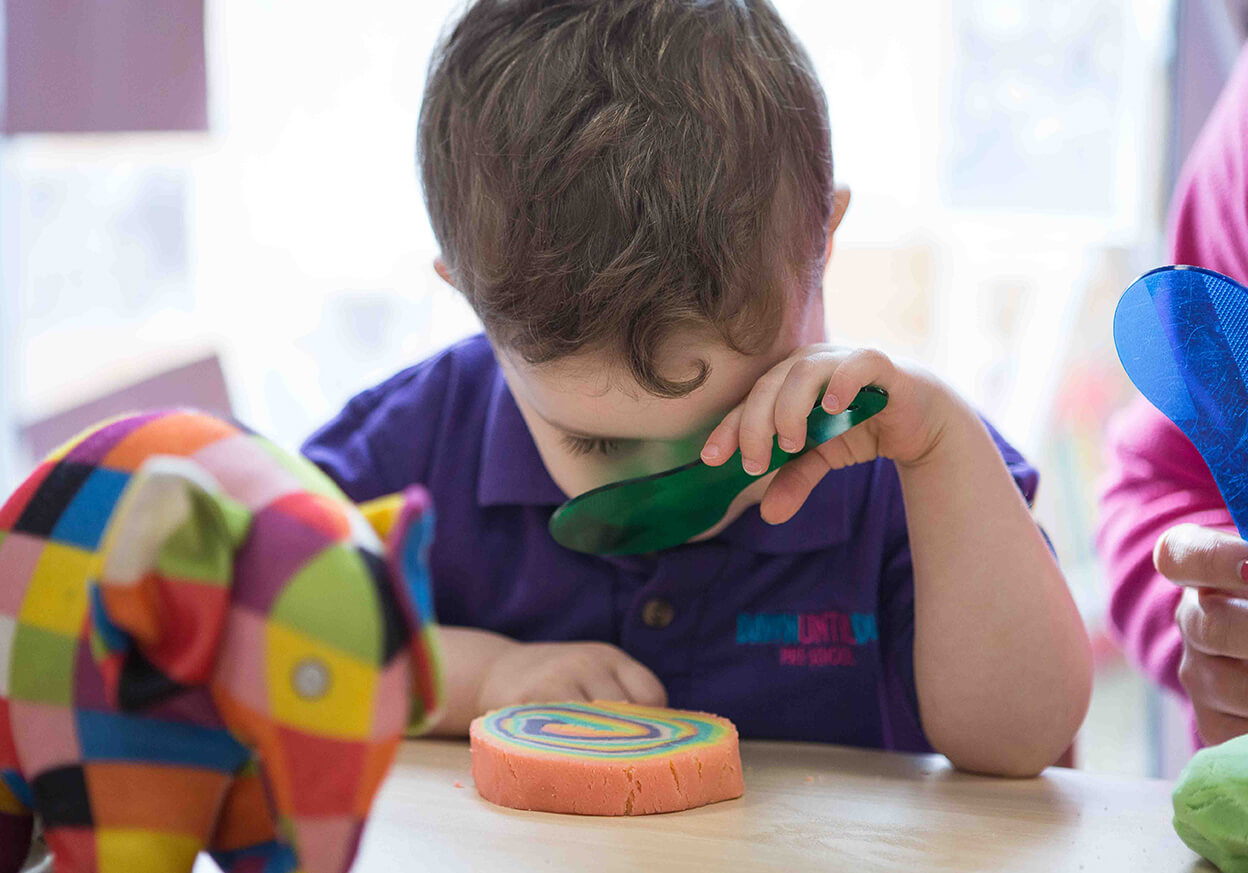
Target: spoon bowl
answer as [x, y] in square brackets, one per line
[666, 509]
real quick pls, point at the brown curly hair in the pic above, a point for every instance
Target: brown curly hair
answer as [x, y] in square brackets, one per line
[602, 172]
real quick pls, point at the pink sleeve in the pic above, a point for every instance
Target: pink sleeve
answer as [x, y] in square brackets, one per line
[1156, 479]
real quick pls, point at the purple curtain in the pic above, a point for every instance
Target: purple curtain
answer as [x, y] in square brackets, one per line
[74, 66]
[199, 384]
[1208, 34]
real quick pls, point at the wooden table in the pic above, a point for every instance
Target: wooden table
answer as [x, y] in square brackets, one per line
[806, 807]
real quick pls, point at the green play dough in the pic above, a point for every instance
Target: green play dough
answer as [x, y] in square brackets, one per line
[1211, 805]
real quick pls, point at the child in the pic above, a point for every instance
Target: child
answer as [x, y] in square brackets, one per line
[636, 197]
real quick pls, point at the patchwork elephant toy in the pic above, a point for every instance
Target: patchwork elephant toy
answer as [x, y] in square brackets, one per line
[203, 646]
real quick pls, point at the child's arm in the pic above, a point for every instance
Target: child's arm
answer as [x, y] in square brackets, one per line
[1002, 660]
[485, 670]
[467, 655]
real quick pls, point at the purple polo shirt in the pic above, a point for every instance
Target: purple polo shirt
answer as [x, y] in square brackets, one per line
[800, 631]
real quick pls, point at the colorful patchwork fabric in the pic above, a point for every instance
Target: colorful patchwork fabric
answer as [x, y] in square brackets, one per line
[203, 644]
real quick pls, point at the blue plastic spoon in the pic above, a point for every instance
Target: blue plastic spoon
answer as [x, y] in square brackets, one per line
[1182, 336]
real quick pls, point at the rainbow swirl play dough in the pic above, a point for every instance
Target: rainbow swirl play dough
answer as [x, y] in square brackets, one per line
[604, 758]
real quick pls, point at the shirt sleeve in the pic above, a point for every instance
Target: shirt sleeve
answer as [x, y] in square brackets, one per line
[384, 438]
[900, 689]
[1155, 480]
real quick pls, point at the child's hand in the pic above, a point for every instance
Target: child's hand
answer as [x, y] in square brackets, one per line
[548, 672]
[778, 404]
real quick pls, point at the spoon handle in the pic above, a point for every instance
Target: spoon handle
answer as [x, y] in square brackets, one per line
[822, 426]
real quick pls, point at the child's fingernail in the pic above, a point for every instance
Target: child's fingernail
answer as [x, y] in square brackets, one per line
[710, 452]
[1243, 571]
[788, 445]
[831, 403]
[753, 467]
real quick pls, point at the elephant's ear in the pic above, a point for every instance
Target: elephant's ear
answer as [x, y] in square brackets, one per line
[382, 514]
[161, 592]
[404, 522]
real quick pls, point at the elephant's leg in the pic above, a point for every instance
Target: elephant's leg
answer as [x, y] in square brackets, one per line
[16, 817]
[245, 840]
[268, 857]
[115, 816]
[105, 850]
[16, 826]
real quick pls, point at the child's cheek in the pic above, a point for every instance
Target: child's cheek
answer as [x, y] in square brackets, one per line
[632, 461]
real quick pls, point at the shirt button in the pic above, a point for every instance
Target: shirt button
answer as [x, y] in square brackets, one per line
[658, 613]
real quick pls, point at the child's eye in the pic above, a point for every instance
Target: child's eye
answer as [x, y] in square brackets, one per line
[584, 445]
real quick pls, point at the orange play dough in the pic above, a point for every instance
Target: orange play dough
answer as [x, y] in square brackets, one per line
[604, 758]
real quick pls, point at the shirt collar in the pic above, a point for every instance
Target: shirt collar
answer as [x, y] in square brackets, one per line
[822, 522]
[512, 473]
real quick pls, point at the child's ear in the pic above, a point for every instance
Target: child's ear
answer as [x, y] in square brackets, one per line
[444, 271]
[840, 205]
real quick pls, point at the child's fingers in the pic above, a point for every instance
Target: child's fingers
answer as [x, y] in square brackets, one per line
[791, 486]
[722, 442]
[798, 477]
[603, 686]
[863, 367]
[567, 690]
[758, 421]
[855, 446]
[641, 685]
[801, 390]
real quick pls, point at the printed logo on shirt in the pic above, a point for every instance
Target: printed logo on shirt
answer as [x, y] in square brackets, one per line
[809, 639]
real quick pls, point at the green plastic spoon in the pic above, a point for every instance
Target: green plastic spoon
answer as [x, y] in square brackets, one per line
[669, 508]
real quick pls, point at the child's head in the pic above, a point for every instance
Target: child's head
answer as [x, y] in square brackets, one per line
[636, 198]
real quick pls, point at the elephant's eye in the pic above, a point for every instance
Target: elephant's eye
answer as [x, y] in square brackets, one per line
[310, 678]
